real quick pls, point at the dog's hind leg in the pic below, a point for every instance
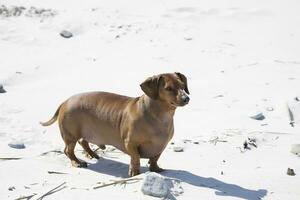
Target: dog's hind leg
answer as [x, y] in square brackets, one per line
[70, 143]
[69, 151]
[86, 147]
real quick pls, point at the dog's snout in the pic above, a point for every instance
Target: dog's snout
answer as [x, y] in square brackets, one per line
[186, 99]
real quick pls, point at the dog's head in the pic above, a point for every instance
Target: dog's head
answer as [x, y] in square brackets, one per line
[171, 88]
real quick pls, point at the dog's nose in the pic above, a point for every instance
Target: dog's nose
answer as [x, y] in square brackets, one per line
[186, 99]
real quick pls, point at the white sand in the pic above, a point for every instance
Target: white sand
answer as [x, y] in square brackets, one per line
[240, 57]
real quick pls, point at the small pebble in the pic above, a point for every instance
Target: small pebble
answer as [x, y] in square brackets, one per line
[2, 89]
[12, 188]
[218, 96]
[188, 38]
[265, 124]
[16, 145]
[178, 149]
[290, 172]
[258, 116]
[66, 34]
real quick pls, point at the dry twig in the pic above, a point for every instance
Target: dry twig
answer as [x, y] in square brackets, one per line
[241, 149]
[216, 140]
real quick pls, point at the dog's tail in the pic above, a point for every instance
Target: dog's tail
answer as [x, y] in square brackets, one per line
[54, 118]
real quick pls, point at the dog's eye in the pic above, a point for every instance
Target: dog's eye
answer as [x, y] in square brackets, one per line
[169, 88]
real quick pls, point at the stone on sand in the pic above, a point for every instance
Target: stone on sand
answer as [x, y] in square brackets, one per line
[2, 90]
[66, 34]
[16, 145]
[155, 185]
[258, 116]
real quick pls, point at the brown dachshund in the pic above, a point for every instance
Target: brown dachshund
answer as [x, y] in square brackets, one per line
[140, 127]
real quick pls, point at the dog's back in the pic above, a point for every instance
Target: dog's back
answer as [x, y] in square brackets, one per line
[95, 117]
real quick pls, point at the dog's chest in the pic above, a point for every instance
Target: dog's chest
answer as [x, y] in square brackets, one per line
[157, 138]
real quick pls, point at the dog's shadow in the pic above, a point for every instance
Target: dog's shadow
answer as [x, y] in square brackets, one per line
[119, 169]
[112, 167]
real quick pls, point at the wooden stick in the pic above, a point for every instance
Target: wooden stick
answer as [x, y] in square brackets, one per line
[123, 181]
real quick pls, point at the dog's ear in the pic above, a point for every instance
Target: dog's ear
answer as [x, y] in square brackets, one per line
[151, 86]
[184, 80]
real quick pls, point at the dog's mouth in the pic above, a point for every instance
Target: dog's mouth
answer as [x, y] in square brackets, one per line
[174, 104]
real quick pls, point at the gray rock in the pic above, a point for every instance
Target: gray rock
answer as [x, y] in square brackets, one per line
[179, 145]
[155, 185]
[258, 116]
[188, 38]
[2, 89]
[66, 34]
[178, 148]
[16, 145]
[290, 172]
[175, 187]
[12, 188]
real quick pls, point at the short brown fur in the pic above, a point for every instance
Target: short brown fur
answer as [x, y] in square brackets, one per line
[140, 127]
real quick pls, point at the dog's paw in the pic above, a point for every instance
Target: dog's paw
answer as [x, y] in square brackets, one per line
[83, 165]
[133, 172]
[156, 169]
[79, 164]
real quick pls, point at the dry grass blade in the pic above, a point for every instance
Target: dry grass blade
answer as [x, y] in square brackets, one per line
[25, 197]
[216, 140]
[54, 190]
[53, 172]
[11, 158]
[52, 151]
[270, 132]
[291, 116]
[121, 182]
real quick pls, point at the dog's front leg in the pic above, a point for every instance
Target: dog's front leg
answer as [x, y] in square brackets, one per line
[153, 164]
[134, 167]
